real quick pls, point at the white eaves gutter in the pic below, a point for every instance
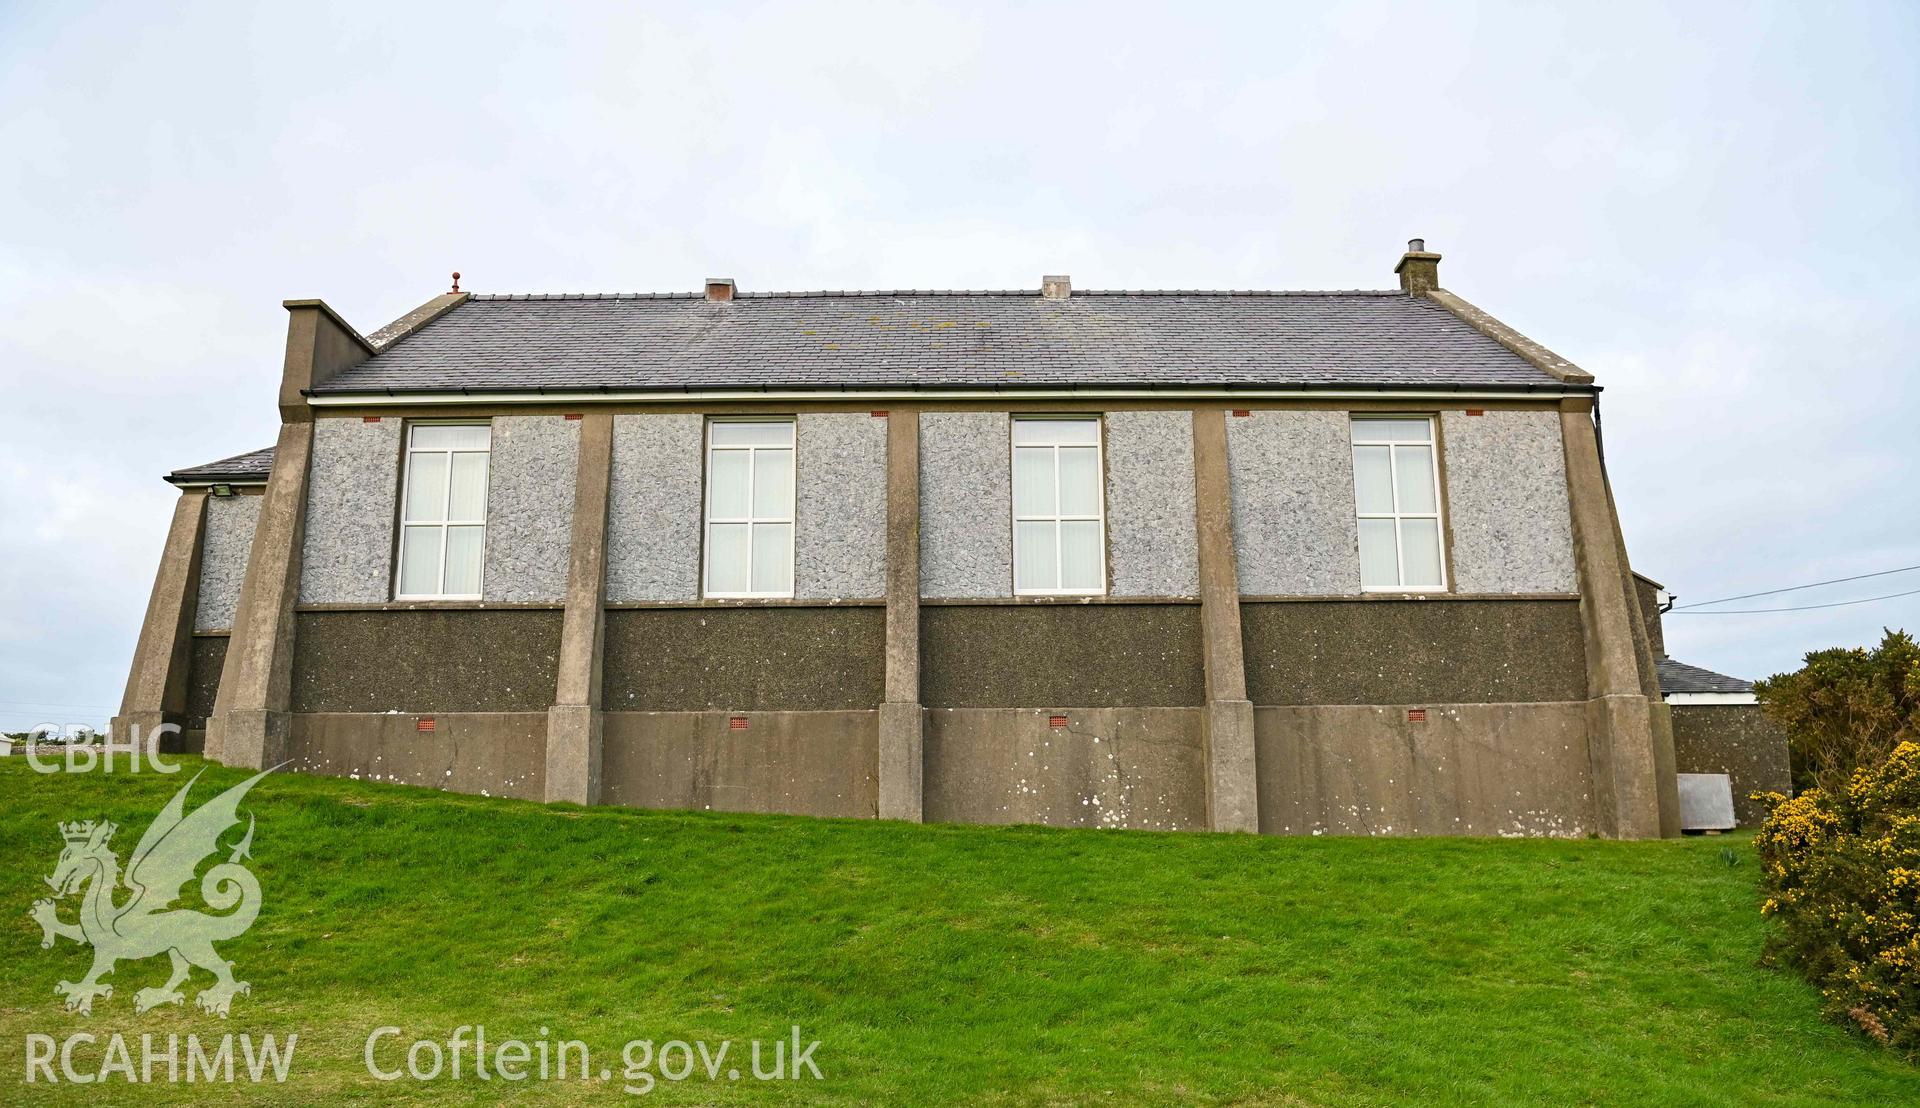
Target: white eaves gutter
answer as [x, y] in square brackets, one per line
[735, 396]
[1685, 698]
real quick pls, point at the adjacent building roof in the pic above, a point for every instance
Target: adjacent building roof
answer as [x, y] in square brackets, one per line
[949, 340]
[241, 469]
[1679, 677]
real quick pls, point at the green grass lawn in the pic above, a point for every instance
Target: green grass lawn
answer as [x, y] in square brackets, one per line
[956, 964]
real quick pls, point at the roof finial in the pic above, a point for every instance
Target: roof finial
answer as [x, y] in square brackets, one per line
[456, 280]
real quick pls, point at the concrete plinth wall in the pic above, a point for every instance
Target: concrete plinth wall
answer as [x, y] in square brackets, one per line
[485, 753]
[810, 763]
[1138, 768]
[1464, 769]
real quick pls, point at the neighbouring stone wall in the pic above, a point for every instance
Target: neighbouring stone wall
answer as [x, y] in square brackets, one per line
[654, 509]
[1737, 740]
[744, 659]
[805, 763]
[1507, 509]
[429, 660]
[840, 509]
[224, 546]
[1466, 769]
[1413, 651]
[1150, 513]
[966, 515]
[1140, 768]
[1060, 655]
[530, 479]
[1294, 528]
[351, 491]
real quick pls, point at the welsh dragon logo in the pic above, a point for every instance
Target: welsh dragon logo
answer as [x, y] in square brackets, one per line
[143, 924]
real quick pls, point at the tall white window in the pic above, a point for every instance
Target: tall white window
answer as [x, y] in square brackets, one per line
[443, 514]
[1396, 487]
[750, 508]
[1059, 524]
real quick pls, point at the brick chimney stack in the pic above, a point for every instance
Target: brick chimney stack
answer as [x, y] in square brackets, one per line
[1057, 287]
[1419, 270]
[719, 288]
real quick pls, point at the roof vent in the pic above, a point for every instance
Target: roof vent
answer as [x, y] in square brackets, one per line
[719, 288]
[1056, 288]
[1419, 270]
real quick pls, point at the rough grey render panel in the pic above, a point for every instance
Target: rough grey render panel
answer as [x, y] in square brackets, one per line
[653, 513]
[966, 506]
[1293, 512]
[223, 559]
[530, 507]
[1507, 495]
[840, 521]
[1150, 538]
[355, 476]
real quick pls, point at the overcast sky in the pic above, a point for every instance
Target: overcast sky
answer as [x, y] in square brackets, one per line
[1711, 207]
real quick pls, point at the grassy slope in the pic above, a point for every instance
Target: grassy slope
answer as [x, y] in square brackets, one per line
[937, 964]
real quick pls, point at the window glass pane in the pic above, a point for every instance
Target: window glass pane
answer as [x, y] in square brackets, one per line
[1379, 564]
[1420, 544]
[426, 488]
[437, 436]
[464, 545]
[1079, 481]
[727, 483]
[1372, 479]
[419, 561]
[469, 493]
[727, 558]
[1413, 467]
[1084, 432]
[1080, 554]
[762, 433]
[773, 557]
[773, 484]
[1032, 481]
[1033, 556]
[1392, 430]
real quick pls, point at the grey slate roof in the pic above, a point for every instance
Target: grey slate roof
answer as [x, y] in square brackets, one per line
[241, 469]
[1679, 677]
[841, 340]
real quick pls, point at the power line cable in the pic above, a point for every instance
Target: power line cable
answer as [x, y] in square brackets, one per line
[1797, 588]
[1802, 608]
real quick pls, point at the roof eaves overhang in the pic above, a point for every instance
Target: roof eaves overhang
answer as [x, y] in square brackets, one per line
[608, 394]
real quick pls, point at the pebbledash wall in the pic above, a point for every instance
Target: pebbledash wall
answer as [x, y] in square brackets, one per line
[1464, 712]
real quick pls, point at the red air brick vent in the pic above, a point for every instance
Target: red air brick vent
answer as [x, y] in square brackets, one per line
[573, 415]
[1476, 411]
[737, 723]
[369, 419]
[878, 415]
[1056, 722]
[1241, 412]
[425, 723]
[1416, 715]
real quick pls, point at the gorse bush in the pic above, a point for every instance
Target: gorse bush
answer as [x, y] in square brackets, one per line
[1841, 867]
[1846, 709]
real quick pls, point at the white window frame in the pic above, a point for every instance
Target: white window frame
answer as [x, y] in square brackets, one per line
[407, 452]
[1057, 518]
[750, 519]
[1432, 443]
